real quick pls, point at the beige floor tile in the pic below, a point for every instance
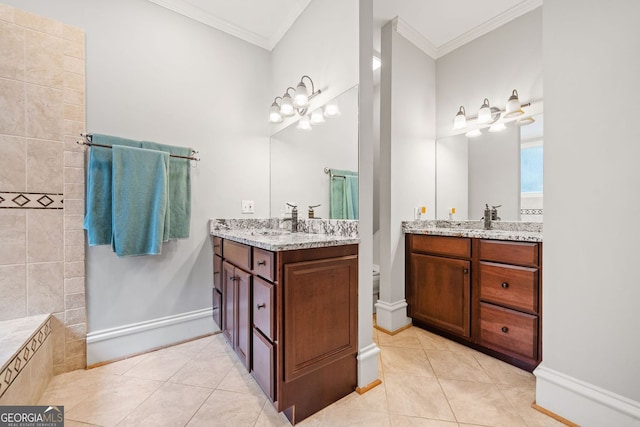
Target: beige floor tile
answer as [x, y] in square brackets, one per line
[374, 400]
[225, 408]
[480, 403]
[431, 341]
[121, 366]
[270, 418]
[406, 338]
[521, 397]
[417, 397]
[407, 361]
[336, 416]
[71, 423]
[170, 405]
[72, 388]
[205, 370]
[406, 421]
[239, 380]
[503, 373]
[191, 348]
[112, 402]
[456, 366]
[159, 365]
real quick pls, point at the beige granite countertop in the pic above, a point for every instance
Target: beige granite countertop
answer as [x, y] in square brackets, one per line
[502, 230]
[267, 235]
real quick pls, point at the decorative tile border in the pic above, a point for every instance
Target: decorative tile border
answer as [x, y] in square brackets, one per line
[25, 200]
[19, 361]
[530, 211]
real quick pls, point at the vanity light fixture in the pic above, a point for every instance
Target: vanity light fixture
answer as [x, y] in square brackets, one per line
[332, 109]
[317, 117]
[473, 133]
[488, 115]
[304, 123]
[288, 105]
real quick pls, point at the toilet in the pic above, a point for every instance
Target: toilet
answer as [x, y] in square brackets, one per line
[376, 285]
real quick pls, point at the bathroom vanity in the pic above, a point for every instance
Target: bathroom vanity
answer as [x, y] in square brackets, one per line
[482, 288]
[288, 307]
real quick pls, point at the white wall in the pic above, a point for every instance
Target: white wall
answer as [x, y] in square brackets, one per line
[491, 66]
[407, 161]
[155, 75]
[591, 340]
[323, 44]
[452, 177]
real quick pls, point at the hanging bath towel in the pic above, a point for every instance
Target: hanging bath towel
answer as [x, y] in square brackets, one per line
[140, 200]
[97, 220]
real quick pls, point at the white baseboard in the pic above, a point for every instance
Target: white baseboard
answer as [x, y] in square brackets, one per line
[583, 403]
[368, 365]
[392, 316]
[123, 341]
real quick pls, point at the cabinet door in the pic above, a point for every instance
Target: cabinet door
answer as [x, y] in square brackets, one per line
[243, 318]
[320, 313]
[228, 306]
[217, 308]
[217, 272]
[439, 293]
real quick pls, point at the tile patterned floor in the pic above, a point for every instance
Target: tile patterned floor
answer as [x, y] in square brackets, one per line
[427, 381]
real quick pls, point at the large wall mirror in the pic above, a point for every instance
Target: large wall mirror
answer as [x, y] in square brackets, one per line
[502, 168]
[299, 159]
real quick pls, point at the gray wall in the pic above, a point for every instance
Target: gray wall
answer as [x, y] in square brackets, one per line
[156, 75]
[591, 291]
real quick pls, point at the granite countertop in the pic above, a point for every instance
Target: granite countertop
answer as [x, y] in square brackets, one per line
[502, 230]
[266, 234]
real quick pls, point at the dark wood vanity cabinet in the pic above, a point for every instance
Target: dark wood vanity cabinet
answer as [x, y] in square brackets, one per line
[217, 282]
[480, 292]
[299, 318]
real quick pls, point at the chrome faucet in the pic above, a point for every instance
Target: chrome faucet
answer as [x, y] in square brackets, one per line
[294, 218]
[490, 215]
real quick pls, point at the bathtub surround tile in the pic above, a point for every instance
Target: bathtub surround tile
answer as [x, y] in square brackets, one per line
[13, 163]
[44, 163]
[74, 190]
[75, 316]
[13, 291]
[74, 285]
[45, 283]
[45, 235]
[29, 200]
[72, 33]
[57, 336]
[72, 301]
[74, 237]
[6, 13]
[73, 65]
[38, 23]
[12, 51]
[44, 107]
[74, 175]
[74, 49]
[74, 270]
[73, 97]
[73, 252]
[74, 112]
[13, 235]
[74, 348]
[73, 207]
[44, 59]
[12, 105]
[75, 332]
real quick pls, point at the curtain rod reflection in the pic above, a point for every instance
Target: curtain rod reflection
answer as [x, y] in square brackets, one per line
[328, 171]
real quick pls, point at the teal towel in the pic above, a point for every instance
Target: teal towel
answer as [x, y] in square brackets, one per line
[140, 196]
[179, 213]
[343, 195]
[97, 220]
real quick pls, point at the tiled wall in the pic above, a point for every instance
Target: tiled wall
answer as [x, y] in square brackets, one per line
[42, 104]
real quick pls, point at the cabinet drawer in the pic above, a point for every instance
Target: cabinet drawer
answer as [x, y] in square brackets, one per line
[263, 310]
[217, 245]
[263, 364]
[217, 272]
[509, 331]
[263, 264]
[442, 245]
[521, 253]
[237, 254]
[509, 285]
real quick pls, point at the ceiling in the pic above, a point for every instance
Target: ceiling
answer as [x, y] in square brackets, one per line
[436, 26]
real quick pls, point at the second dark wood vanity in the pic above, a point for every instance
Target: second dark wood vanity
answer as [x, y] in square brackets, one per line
[291, 317]
[480, 292]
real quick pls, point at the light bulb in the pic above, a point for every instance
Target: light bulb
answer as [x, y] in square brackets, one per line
[473, 133]
[460, 121]
[513, 108]
[301, 97]
[286, 107]
[304, 123]
[317, 117]
[332, 109]
[274, 114]
[484, 115]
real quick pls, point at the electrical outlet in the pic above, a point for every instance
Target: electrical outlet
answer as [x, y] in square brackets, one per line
[288, 209]
[247, 206]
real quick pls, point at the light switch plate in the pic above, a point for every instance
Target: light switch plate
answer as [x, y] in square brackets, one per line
[247, 206]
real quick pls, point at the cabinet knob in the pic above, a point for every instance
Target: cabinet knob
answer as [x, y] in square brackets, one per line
[262, 262]
[504, 329]
[505, 285]
[263, 305]
[233, 278]
[465, 270]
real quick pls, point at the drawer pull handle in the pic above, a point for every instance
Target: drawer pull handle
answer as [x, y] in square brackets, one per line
[262, 262]
[216, 246]
[505, 329]
[263, 305]
[465, 270]
[505, 285]
[233, 278]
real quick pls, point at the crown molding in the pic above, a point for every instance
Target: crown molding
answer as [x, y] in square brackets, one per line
[197, 14]
[409, 33]
[490, 25]
[301, 5]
